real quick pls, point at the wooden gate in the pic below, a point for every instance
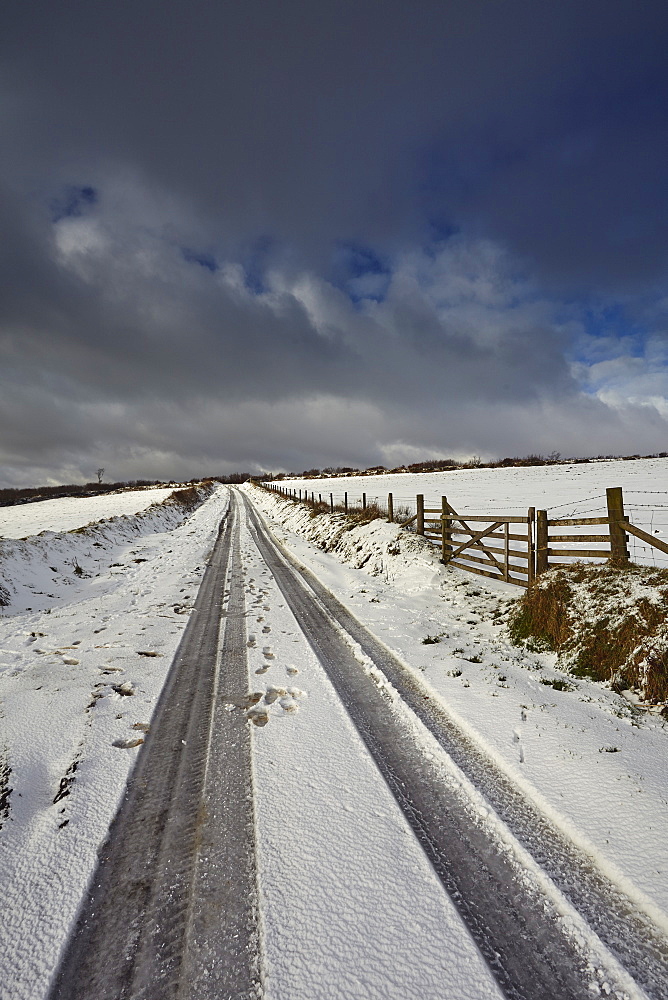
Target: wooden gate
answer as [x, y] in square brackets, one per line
[470, 541]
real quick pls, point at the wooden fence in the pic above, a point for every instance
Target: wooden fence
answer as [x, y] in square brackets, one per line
[508, 547]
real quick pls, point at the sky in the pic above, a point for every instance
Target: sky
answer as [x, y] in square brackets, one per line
[279, 235]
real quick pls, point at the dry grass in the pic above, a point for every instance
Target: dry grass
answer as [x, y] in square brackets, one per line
[355, 515]
[604, 622]
[191, 497]
[371, 512]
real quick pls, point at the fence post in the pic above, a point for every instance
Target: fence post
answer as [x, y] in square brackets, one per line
[531, 550]
[364, 501]
[390, 507]
[542, 542]
[619, 553]
[506, 552]
[345, 501]
[331, 503]
[419, 524]
[446, 531]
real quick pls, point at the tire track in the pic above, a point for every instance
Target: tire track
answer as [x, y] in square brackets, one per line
[145, 929]
[522, 940]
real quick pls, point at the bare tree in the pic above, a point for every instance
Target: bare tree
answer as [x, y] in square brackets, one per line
[100, 473]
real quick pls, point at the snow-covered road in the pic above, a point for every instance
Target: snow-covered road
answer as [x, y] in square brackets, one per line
[387, 852]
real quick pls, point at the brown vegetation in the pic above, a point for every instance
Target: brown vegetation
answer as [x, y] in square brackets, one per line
[604, 622]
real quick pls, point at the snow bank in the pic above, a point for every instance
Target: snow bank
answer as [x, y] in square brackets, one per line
[35, 571]
[380, 549]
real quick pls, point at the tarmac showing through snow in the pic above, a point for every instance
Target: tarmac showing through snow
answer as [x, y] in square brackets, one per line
[308, 818]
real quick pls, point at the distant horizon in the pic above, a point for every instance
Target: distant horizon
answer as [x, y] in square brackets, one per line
[426, 466]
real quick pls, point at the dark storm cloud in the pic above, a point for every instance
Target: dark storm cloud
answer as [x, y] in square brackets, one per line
[355, 223]
[307, 121]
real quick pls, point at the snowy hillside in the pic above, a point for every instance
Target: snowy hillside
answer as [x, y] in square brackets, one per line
[67, 513]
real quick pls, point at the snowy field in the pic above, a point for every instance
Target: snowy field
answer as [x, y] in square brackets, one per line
[67, 513]
[576, 490]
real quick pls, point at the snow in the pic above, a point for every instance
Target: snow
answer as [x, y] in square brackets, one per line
[350, 906]
[557, 745]
[76, 698]
[67, 513]
[565, 490]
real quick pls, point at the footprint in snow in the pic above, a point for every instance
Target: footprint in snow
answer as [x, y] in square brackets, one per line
[125, 689]
[267, 653]
[290, 701]
[273, 694]
[267, 629]
[291, 670]
[258, 716]
[262, 670]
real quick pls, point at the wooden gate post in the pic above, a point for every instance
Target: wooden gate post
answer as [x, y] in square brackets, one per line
[364, 501]
[446, 531]
[541, 542]
[419, 525]
[345, 501]
[331, 503]
[390, 507]
[619, 553]
[531, 563]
